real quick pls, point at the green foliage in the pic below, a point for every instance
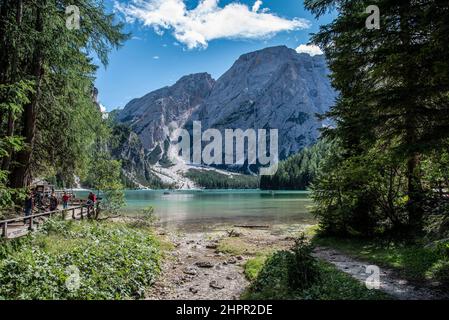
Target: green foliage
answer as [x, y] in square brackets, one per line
[105, 176]
[47, 77]
[322, 280]
[440, 271]
[145, 219]
[389, 117]
[215, 180]
[361, 196]
[123, 141]
[303, 272]
[13, 97]
[272, 279]
[113, 261]
[300, 170]
[253, 267]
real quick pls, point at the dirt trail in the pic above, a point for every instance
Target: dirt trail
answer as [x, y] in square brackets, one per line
[389, 282]
[194, 270]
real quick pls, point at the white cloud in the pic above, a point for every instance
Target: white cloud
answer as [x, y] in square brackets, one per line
[257, 5]
[156, 57]
[311, 49]
[196, 27]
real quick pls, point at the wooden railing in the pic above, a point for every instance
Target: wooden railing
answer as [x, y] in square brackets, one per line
[29, 221]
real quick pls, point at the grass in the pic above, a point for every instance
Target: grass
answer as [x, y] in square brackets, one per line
[79, 260]
[270, 281]
[412, 262]
[238, 246]
[253, 266]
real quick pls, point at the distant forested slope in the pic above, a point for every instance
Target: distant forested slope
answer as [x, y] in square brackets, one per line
[298, 171]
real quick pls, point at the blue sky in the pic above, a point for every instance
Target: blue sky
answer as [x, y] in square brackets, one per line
[178, 40]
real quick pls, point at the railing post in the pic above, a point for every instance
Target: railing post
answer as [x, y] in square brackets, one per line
[73, 213]
[5, 230]
[31, 223]
[82, 212]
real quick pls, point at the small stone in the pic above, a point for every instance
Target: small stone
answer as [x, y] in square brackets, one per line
[239, 258]
[190, 270]
[231, 277]
[216, 285]
[232, 260]
[193, 290]
[204, 264]
[211, 246]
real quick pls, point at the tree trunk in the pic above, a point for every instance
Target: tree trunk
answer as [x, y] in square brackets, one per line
[21, 174]
[12, 79]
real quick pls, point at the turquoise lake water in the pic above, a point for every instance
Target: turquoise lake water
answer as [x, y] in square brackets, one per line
[221, 206]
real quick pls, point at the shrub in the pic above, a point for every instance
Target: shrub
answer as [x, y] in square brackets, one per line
[303, 272]
[272, 280]
[80, 260]
[253, 267]
[440, 272]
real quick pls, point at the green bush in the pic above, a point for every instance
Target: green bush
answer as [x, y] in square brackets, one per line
[272, 280]
[80, 260]
[304, 271]
[440, 272]
[253, 267]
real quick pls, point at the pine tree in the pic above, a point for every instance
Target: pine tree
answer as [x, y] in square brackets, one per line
[393, 81]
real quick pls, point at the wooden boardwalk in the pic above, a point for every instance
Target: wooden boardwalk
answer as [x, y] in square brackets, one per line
[21, 226]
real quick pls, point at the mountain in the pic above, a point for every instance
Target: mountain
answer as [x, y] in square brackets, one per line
[155, 114]
[273, 88]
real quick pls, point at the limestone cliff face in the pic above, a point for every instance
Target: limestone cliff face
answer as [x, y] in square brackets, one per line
[153, 116]
[273, 88]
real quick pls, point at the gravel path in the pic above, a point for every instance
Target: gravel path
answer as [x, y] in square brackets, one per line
[389, 282]
[194, 270]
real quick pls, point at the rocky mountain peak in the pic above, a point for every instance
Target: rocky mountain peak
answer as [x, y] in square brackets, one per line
[272, 88]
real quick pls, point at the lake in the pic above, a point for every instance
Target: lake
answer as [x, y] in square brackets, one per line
[190, 207]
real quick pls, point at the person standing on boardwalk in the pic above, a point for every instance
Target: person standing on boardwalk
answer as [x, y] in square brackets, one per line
[29, 204]
[65, 200]
[53, 202]
[91, 199]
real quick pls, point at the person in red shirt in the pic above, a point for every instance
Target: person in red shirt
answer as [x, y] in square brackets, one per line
[65, 200]
[92, 197]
